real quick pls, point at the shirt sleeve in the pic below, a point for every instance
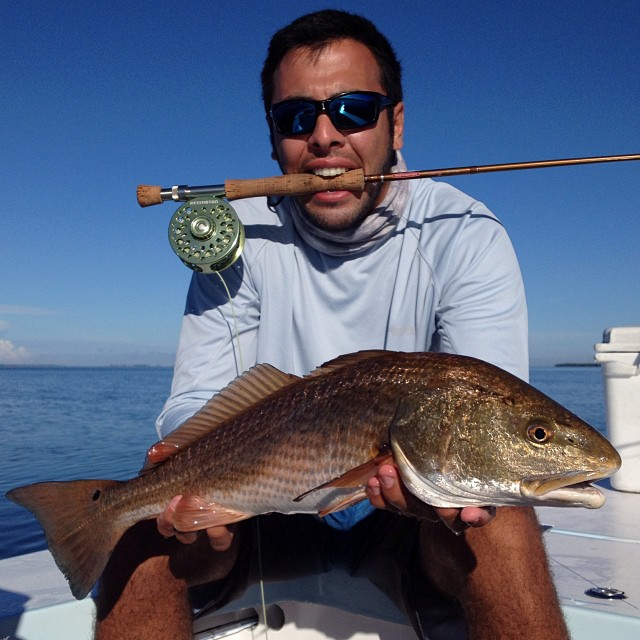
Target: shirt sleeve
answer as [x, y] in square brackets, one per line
[482, 309]
[217, 342]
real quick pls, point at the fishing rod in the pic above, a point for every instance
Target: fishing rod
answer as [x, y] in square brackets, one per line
[296, 184]
[206, 232]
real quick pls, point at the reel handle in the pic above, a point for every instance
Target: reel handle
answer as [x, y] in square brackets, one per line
[293, 184]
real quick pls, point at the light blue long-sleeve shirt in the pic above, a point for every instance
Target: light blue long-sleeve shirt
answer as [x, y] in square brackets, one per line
[445, 279]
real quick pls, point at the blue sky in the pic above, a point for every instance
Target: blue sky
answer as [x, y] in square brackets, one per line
[101, 96]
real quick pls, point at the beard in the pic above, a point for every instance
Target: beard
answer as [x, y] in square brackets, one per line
[338, 216]
[341, 216]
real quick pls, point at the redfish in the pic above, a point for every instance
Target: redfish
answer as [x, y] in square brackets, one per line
[461, 431]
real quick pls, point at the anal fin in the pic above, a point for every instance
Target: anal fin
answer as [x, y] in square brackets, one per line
[194, 513]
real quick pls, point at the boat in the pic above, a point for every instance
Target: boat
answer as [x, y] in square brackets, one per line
[594, 556]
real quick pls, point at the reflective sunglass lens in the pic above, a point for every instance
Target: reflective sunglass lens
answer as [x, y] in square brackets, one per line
[349, 111]
[292, 118]
[353, 113]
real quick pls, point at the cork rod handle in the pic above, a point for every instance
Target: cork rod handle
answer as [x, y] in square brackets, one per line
[293, 184]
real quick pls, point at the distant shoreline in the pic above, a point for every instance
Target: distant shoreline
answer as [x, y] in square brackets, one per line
[577, 364]
[86, 366]
[168, 366]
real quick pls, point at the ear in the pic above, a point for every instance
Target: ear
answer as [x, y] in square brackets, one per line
[398, 126]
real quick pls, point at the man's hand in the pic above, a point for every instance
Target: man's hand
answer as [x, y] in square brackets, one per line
[386, 491]
[220, 538]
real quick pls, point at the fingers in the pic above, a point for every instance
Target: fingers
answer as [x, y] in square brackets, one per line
[165, 519]
[386, 491]
[460, 519]
[374, 493]
[477, 516]
[165, 524]
[451, 517]
[220, 538]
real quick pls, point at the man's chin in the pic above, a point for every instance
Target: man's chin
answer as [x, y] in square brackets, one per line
[337, 214]
[335, 220]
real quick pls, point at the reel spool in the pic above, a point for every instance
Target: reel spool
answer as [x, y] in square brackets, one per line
[206, 234]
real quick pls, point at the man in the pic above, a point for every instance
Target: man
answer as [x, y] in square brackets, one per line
[403, 266]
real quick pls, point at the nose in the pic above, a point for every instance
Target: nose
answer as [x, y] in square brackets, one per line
[325, 136]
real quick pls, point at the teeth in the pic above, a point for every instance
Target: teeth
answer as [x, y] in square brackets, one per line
[329, 172]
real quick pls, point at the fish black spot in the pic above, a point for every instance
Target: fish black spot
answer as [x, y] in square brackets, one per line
[96, 495]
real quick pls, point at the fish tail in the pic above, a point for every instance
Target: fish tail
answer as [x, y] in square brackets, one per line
[80, 531]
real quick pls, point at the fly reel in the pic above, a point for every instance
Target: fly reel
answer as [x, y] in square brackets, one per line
[206, 234]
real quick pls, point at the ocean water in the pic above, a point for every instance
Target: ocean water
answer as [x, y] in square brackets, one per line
[71, 423]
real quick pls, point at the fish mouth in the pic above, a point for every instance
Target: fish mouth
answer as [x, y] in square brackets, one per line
[565, 490]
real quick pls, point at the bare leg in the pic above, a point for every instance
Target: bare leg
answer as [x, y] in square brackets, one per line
[500, 575]
[143, 591]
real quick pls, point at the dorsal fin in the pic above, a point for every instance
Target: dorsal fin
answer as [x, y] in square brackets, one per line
[251, 387]
[346, 360]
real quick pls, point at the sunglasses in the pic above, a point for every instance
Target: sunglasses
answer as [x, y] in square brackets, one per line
[351, 110]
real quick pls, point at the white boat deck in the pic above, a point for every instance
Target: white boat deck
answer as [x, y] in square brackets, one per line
[599, 548]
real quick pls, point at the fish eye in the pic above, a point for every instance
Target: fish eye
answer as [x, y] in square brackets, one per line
[539, 432]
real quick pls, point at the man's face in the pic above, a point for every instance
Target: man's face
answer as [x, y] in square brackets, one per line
[345, 65]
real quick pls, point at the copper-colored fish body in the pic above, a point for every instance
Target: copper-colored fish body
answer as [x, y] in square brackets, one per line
[461, 431]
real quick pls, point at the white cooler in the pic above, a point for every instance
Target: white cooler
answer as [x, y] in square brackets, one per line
[619, 355]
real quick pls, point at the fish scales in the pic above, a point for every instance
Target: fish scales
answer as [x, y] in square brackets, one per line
[460, 430]
[246, 455]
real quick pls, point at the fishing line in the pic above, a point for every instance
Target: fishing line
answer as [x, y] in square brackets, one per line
[569, 569]
[236, 332]
[240, 360]
[263, 599]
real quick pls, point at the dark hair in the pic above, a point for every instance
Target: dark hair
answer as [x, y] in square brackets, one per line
[317, 30]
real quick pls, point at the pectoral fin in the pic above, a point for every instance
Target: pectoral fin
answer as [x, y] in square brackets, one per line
[356, 477]
[347, 501]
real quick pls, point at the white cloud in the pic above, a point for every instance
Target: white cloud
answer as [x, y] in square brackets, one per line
[13, 309]
[10, 354]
